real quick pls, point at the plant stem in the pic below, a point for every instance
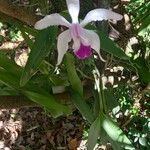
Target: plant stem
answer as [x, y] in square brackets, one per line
[98, 86]
[103, 96]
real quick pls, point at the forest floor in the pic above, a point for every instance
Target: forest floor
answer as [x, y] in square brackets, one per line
[30, 128]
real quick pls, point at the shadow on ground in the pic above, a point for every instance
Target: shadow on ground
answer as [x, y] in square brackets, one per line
[32, 129]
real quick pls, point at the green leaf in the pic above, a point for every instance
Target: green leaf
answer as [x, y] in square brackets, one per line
[94, 133]
[109, 97]
[9, 65]
[29, 30]
[5, 90]
[81, 105]
[9, 79]
[42, 46]
[72, 74]
[142, 69]
[142, 141]
[104, 138]
[114, 132]
[28, 148]
[46, 68]
[145, 23]
[96, 105]
[109, 46]
[27, 38]
[57, 80]
[49, 102]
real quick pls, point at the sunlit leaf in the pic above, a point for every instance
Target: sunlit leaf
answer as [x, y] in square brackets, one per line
[114, 132]
[143, 141]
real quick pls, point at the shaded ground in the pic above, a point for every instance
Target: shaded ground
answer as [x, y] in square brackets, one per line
[31, 127]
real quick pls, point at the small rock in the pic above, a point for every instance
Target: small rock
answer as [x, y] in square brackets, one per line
[6, 148]
[2, 144]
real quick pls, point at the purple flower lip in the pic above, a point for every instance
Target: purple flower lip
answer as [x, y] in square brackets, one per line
[83, 52]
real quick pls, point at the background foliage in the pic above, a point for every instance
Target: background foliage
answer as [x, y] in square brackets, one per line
[117, 113]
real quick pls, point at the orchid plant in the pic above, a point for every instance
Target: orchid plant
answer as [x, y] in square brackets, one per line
[83, 40]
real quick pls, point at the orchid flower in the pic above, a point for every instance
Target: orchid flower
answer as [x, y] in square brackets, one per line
[83, 40]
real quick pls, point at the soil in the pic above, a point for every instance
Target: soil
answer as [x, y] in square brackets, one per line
[33, 129]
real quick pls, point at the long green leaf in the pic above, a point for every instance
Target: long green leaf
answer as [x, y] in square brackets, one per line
[9, 65]
[42, 46]
[9, 79]
[109, 46]
[96, 105]
[94, 133]
[114, 132]
[49, 102]
[72, 74]
[81, 105]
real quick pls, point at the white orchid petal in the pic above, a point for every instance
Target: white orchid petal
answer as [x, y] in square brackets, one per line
[62, 45]
[51, 20]
[93, 38]
[94, 41]
[73, 8]
[100, 14]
